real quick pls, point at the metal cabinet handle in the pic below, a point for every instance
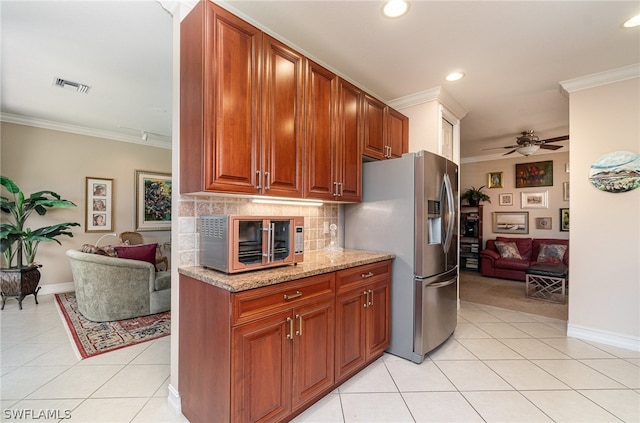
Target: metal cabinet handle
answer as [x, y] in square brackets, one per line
[366, 299]
[335, 189]
[371, 298]
[290, 334]
[292, 296]
[341, 185]
[258, 179]
[299, 319]
[267, 182]
[366, 275]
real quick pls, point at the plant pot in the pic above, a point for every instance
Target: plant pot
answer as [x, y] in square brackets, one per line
[473, 202]
[19, 283]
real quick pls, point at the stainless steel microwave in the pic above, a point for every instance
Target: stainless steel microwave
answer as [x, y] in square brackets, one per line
[237, 243]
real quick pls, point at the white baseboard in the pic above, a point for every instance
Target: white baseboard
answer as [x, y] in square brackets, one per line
[57, 288]
[173, 401]
[604, 337]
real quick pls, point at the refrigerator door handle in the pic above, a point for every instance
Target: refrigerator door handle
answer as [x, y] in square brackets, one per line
[450, 211]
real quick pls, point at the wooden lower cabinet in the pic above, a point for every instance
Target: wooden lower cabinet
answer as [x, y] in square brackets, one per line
[362, 317]
[267, 354]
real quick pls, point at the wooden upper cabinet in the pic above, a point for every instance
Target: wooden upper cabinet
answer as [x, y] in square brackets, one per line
[219, 101]
[374, 139]
[320, 162]
[282, 119]
[397, 133]
[349, 141]
[386, 133]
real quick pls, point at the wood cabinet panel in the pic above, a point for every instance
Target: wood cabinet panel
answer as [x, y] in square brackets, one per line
[374, 140]
[313, 351]
[350, 337]
[320, 160]
[397, 133]
[282, 120]
[348, 141]
[261, 369]
[378, 318]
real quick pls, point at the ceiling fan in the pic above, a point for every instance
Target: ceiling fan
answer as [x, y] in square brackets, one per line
[528, 143]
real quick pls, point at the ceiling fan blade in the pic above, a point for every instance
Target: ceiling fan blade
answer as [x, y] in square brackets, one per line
[550, 147]
[501, 148]
[556, 139]
[510, 152]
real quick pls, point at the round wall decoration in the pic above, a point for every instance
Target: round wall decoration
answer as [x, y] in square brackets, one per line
[616, 172]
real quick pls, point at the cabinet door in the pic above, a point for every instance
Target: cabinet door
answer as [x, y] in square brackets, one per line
[397, 132]
[261, 369]
[282, 122]
[348, 142]
[232, 97]
[377, 318]
[350, 333]
[374, 138]
[313, 351]
[320, 163]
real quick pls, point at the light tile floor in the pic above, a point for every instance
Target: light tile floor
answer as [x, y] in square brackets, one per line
[499, 366]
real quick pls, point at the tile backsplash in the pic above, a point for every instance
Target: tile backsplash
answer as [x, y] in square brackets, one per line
[191, 207]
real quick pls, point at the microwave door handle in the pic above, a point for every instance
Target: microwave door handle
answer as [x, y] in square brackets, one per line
[271, 246]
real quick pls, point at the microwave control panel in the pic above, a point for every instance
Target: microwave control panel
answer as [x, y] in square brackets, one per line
[299, 240]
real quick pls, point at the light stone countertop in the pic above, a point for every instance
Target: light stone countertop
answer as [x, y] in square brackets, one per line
[315, 263]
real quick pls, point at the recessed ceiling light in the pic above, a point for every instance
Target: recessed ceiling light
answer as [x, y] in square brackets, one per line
[70, 85]
[454, 76]
[395, 8]
[633, 22]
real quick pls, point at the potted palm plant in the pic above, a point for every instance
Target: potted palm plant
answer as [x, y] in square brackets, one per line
[474, 196]
[20, 274]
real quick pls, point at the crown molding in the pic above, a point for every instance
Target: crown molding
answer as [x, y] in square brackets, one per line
[437, 93]
[91, 132]
[601, 78]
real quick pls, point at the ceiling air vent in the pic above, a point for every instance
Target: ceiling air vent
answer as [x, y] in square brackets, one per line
[70, 85]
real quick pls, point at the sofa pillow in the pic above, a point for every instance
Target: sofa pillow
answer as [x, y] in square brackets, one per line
[525, 245]
[108, 251]
[551, 253]
[142, 252]
[508, 250]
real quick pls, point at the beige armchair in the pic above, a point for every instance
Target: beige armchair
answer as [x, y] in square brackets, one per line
[111, 288]
[135, 238]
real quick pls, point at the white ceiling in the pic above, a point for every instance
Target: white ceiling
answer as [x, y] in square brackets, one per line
[513, 53]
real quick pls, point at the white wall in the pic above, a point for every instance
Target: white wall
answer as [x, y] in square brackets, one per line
[476, 174]
[604, 293]
[42, 159]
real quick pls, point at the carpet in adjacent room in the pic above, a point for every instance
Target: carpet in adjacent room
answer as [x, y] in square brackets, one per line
[93, 338]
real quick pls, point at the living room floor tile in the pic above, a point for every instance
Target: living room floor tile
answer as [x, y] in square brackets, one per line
[451, 350]
[524, 375]
[156, 352]
[489, 349]
[618, 370]
[438, 407]
[134, 381]
[502, 330]
[374, 378]
[157, 411]
[411, 377]
[327, 410]
[531, 348]
[577, 375]
[375, 407]
[469, 330]
[472, 376]
[505, 407]
[569, 406]
[107, 410]
[576, 348]
[540, 330]
[625, 405]
[76, 382]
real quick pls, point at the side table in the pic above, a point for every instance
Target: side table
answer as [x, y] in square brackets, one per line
[547, 282]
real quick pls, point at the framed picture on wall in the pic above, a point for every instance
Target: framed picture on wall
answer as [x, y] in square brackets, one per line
[494, 180]
[565, 191]
[535, 174]
[505, 199]
[564, 220]
[543, 223]
[153, 201]
[99, 205]
[511, 222]
[534, 200]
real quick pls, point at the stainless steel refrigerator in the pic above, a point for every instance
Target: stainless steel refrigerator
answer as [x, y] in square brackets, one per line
[409, 208]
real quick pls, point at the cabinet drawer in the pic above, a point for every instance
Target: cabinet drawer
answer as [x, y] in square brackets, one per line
[256, 303]
[350, 278]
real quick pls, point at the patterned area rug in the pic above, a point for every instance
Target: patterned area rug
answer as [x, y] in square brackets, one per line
[93, 338]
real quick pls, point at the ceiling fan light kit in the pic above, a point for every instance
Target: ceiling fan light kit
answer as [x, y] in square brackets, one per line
[528, 150]
[528, 143]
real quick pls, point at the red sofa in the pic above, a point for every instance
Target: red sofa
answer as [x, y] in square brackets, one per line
[495, 266]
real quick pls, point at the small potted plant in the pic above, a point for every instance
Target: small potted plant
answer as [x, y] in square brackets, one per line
[474, 196]
[21, 243]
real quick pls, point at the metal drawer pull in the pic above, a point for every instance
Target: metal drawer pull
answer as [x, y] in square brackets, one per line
[366, 275]
[299, 331]
[258, 179]
[290, 334]
[292, 296]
